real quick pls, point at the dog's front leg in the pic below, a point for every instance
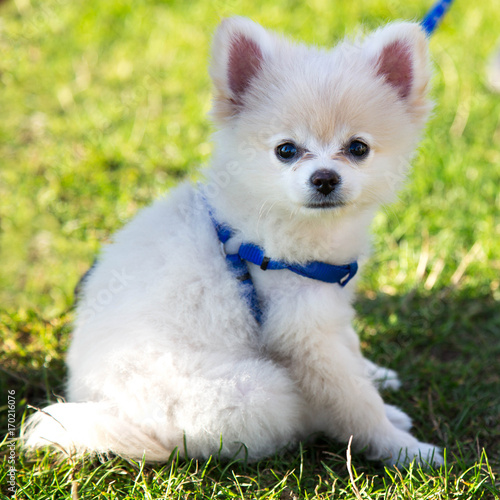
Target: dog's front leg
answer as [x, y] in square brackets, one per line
[321, 351]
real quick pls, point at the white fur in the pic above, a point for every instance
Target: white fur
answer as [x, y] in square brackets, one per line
[165, 352]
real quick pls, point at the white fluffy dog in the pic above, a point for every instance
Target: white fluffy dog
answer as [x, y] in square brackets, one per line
[173, 347]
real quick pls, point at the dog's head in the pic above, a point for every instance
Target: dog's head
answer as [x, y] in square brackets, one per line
[309, 131]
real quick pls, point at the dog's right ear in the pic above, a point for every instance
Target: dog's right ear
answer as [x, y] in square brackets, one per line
[239, 50]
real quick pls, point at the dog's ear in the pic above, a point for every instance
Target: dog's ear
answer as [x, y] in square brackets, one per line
[399, 54]
[239, 50]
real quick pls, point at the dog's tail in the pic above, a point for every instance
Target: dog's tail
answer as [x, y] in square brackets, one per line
[77, 428]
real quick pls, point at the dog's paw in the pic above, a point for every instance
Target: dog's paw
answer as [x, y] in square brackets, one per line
[384, 378]
[421, 453]
[387, 379]
[398, 418]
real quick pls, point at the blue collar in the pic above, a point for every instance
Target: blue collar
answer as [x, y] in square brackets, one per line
[249, 252]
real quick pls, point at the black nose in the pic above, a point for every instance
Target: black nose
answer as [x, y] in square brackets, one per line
[325, 181]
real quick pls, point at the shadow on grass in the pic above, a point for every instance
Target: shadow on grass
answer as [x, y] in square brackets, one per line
[446, 349]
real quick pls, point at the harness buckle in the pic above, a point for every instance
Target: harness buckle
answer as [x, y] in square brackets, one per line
[353, 268]
[265, 263]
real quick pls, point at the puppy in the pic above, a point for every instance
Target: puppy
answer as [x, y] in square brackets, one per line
[183, 340]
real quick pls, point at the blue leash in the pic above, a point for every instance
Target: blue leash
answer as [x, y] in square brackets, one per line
[435, 15]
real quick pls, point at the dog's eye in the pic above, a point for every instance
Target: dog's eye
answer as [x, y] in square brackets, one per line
[358, 149]
[287, 151]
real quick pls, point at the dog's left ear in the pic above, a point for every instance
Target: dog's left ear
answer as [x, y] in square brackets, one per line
[398, 53]
[239, 50]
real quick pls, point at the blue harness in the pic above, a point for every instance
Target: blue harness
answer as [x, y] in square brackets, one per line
[248, 252]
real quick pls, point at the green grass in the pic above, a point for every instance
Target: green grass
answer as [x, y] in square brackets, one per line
[103, 107]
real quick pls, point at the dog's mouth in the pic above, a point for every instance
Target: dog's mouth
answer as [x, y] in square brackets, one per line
[328, 203]
[325, 205]
[318, 200]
